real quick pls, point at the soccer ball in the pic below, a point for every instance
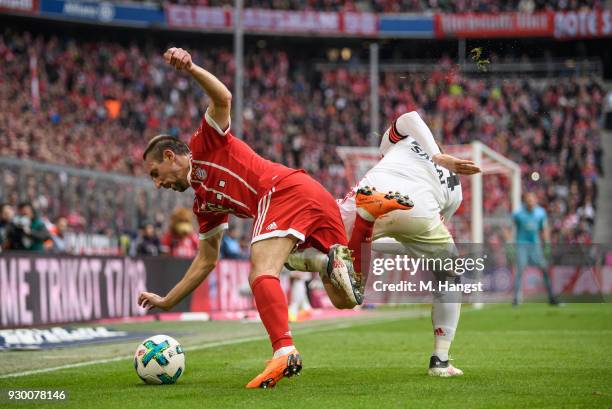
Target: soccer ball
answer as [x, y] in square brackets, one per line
[159, 360]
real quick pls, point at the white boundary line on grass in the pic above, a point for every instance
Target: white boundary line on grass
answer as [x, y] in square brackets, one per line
[215, 344]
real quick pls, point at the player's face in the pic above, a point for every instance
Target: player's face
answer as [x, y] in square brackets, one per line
[531, 200]
[170, 173]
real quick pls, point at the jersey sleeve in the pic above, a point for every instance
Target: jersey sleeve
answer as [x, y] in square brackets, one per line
[209, 136]
[389, 138]
[411, 124]
[212, 224]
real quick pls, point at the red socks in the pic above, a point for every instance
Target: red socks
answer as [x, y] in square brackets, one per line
[272, 306]
[361, 244]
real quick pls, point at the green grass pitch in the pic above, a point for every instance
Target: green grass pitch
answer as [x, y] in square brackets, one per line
[535, 356]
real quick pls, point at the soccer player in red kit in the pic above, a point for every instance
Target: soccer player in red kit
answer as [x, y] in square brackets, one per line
[289, 208]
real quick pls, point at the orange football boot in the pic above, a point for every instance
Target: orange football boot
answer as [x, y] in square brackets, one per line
[276, 368]
[377, 204]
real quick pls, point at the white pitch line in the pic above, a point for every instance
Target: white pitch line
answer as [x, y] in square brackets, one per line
[314, 329]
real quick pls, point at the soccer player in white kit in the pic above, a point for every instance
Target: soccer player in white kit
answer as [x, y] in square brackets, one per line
[413, 165]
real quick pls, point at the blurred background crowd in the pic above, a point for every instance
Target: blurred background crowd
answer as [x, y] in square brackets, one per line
[101, 100]
[406, 6]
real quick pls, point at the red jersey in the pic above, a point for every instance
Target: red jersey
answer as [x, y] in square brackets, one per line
[227, 176]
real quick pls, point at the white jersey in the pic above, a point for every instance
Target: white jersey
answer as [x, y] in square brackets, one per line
[435, 191]
[408, 169]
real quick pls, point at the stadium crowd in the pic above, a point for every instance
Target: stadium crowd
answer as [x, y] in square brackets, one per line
[406, 6]
[99, 102]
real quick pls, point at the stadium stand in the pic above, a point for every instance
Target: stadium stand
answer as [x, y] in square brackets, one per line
[406, 6]
[102, 100]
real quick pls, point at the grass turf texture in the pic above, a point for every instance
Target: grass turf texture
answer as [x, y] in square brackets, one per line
[531, 357]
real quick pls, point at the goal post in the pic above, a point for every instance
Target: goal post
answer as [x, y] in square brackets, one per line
[358, 160]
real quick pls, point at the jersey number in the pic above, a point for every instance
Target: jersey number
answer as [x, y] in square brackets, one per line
[452, 181]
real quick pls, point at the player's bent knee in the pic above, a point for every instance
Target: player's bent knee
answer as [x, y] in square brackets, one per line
[264, 272]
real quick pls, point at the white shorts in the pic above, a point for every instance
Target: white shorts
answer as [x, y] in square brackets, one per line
[419, 231]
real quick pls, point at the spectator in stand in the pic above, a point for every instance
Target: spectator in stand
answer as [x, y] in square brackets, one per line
[58, 236]
[28, 231]
[98, 107]
[405, 6]
[147, 243]
[180, 240]
[230, 245]
[6, 224]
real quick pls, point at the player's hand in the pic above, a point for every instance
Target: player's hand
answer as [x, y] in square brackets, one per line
[178, 58]
[151, 300]
[459, 166]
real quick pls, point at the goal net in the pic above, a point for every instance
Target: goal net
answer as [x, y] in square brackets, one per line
[488, 198]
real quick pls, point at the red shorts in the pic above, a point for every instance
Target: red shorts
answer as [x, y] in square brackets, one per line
[299, 206]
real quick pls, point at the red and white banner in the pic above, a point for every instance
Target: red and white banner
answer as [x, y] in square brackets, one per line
[484, 25]
[273, 21]
[359, 23]
[560, 25]
[290, 21]
[41, 289]
[23, 6]
[205, 18]
[583, 24]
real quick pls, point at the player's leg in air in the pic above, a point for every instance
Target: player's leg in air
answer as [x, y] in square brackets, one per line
[370, 205]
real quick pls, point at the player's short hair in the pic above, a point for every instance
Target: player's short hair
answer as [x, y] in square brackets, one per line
[158, 144]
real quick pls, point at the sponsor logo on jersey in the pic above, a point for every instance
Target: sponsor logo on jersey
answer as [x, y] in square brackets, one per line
[212, 207]
[272, 226]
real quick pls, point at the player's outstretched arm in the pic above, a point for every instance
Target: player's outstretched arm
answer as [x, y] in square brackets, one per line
[202, 265]
[221, 98]
[411, 124]
[454, 164]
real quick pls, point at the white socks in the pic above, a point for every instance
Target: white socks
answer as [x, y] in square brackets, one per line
[310, 259]
[365, 215]
[283, 351]
[444, 317]
[441, 348]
